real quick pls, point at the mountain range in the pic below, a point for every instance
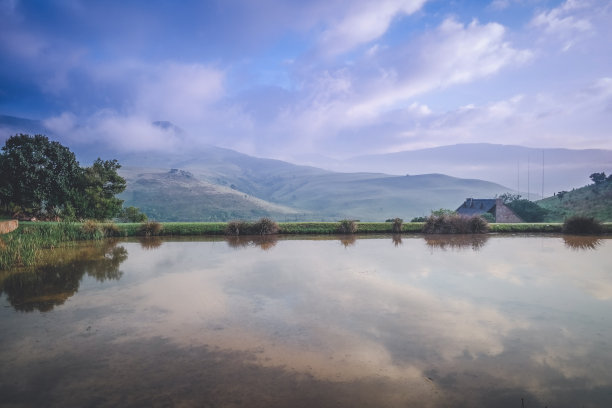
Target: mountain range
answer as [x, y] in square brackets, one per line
[216, 184]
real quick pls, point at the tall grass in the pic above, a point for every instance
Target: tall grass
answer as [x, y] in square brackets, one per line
[22, 246]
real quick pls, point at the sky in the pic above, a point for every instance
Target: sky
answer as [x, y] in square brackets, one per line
[307, 80]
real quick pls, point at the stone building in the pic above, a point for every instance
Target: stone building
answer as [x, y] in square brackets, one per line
[493, 206]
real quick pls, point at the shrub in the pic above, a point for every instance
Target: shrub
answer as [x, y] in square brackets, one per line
[488, 217]
[150, 228]
[455, 224]
[110, 230]
[264, 226]
[236, 228]
[347, 226]
[580, 224]
[92, 229]
[132, 214]
[397, 225]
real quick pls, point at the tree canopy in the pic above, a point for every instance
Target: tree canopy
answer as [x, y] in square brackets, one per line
[42, 178]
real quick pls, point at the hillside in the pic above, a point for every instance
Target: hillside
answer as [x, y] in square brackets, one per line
[176, 195]
[594, 200]
[222, 184]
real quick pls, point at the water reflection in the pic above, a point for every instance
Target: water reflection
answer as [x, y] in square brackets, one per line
[150, 243]
[348, 240]
[396, 239]
[45, 287]
[456, 242]
[582, 242]
[264, 242]
[225, 323]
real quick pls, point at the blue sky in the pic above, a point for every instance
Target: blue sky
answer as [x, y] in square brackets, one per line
[296, 80]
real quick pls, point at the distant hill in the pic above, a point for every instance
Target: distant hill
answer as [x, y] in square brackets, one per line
[594, 200]
[503, 164]
[216, 184]
[176, 195]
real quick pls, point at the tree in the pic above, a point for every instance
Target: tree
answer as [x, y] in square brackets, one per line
[528, 210]
[43, 178]
[509, 197]
[37, 175]
[598, 178]
[99, 186]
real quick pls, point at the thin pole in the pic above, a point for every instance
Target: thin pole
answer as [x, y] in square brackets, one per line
[542, 174]
[518, 177]
[528, 181]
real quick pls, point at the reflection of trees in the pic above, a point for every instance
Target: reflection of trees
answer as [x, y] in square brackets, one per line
[348, 240]
[459, 241]
[265, 242]
[149, 243]
[44, 287]
[581, 242]
[396, 239]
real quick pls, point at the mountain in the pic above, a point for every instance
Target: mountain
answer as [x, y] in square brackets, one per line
[504, 164]
[176, 195]
[221, 184]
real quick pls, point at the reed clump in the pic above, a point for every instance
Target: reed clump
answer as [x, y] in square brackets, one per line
[236, 227]
[151, 228]
[264, 226]
[397, 224]
[455, 224]
[347, 226]
[580, 224]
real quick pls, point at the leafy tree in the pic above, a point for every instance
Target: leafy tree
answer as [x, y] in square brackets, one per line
[99, 186]
[442, 211]
[509, 197]
[43, 178]
[561, 194]
[598, 178]
[132, 214]
[37, 175]
[528, 210]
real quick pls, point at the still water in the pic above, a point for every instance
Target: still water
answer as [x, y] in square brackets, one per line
[411, 321]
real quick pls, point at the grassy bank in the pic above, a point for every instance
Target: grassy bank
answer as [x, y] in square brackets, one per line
[22, 246]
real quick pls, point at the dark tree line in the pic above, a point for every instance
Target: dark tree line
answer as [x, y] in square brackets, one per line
[42, 178]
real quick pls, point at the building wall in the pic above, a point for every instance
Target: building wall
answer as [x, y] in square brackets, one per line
[504, 213]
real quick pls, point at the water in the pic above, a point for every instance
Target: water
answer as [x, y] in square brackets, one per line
[495, 321]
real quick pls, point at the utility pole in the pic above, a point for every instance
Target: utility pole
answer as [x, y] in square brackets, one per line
[542, 174]
[528, 181]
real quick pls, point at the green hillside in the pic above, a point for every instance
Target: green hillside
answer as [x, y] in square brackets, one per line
[177, 195]
[594, 200]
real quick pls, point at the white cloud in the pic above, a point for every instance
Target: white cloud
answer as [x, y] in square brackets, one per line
[365, 21]
[453, 54]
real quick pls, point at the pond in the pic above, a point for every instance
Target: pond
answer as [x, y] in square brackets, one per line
[436, 321]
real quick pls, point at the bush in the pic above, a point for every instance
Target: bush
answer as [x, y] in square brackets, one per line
[150, 228]
[264, 226]
[236, 228]
[347, 227]
[110, 230]
[488, 217]
[397, 225]
[132, 214]
[92, 229]
[455, 224]
[580, 224]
